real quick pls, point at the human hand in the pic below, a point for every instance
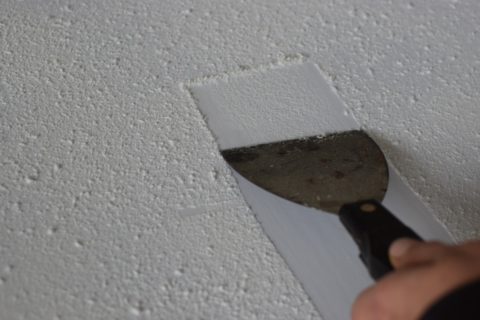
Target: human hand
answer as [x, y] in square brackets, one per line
[424, 272]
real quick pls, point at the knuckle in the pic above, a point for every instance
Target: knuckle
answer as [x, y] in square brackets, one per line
[432, 248]
[436, 245]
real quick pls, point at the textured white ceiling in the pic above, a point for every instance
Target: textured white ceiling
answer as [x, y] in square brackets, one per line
[114, 201]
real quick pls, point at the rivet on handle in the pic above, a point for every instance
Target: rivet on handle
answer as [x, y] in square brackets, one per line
[368, 207]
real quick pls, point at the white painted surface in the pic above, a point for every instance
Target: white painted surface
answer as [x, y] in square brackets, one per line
[315, 245]
[114, 201]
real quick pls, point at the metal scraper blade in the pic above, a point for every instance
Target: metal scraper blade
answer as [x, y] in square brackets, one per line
[322, 172]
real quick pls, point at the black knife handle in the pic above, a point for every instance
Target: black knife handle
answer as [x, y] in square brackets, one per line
[374, 228]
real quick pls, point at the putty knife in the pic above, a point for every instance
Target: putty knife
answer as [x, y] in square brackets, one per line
[342, 173]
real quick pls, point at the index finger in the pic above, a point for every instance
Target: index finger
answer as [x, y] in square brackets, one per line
[407, 252]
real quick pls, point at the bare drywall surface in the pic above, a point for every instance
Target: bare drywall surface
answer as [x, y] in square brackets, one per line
[114, 201]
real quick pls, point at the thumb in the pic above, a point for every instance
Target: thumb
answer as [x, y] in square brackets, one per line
[407, 252]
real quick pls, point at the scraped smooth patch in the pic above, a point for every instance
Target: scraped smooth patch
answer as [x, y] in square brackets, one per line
[271, 105]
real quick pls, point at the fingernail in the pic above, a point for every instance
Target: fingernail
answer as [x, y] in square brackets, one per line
[399, 247]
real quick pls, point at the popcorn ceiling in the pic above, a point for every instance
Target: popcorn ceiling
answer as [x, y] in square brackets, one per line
[114, 200]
